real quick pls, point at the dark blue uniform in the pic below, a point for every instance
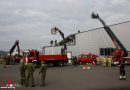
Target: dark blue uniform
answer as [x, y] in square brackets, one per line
[122, 69]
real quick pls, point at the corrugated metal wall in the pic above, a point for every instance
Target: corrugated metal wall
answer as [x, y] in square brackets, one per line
[57, 50]
[122, 31]
[52, 50]
[91, 41]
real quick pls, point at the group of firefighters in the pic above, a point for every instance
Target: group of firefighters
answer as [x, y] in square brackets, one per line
[107, 62]
[27, 71]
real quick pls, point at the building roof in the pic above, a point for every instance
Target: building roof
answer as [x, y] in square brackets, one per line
[67, 39]
[72, 36]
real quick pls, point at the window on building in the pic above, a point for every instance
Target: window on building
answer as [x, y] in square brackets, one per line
[107, 51]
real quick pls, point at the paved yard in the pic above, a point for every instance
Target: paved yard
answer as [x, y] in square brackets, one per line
[71, 78]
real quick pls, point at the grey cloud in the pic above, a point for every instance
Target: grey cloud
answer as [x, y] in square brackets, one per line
[30, 21]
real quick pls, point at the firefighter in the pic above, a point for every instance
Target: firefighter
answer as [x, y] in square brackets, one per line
[74, 60]
[22, 73]
[42, 72]
[29, 72]
[62, 51]
[3, 61]
[107, 58]
[104, 61]
[109, 61]
[122, 69]
[98, 60]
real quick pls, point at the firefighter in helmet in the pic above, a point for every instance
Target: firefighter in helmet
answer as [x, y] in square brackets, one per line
[109, 61]
[122, 69]
[104, 61]
[98, 60]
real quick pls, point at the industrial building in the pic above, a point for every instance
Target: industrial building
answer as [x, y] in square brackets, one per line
[95, 41]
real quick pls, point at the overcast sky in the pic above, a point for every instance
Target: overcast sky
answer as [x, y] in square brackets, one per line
[30, 21]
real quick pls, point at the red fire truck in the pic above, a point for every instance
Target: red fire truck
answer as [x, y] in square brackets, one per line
[36, 57]
[87, 58]
[54, 59]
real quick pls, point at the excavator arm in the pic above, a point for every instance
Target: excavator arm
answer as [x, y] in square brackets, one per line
[16, 44]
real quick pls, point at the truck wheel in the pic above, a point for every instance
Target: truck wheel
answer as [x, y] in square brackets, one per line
[61, 64]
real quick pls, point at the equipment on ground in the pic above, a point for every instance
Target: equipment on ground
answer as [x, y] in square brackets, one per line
[15, 57]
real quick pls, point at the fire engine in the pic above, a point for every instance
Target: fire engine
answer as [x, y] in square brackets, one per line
[55, 59]
[87, 58]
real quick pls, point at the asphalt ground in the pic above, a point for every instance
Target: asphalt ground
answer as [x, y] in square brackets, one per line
[71, 78]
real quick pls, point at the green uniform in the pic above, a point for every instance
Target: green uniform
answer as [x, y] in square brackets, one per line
[42, 73]
[22, 73]
[30, 69]
[3, 61]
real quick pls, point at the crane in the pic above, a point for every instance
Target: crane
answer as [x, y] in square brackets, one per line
[62, 35]
[119, 46]
[16, 44]
[17, 57]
